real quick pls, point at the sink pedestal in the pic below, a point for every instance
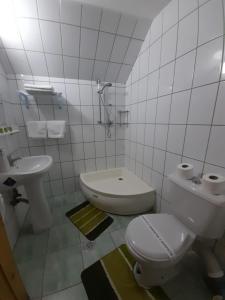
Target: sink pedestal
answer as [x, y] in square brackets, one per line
[41, 217]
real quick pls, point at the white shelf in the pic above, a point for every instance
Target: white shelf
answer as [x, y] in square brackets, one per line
[40, 92]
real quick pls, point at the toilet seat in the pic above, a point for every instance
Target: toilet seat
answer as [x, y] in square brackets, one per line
[158, 237]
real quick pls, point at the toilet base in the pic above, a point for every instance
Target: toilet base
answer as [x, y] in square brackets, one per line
[148, 277]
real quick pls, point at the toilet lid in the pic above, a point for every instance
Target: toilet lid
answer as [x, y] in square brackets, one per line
[159, 237]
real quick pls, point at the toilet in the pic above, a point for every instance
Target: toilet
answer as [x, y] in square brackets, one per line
[158, 242]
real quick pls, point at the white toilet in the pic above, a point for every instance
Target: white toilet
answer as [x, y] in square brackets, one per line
[158, 242]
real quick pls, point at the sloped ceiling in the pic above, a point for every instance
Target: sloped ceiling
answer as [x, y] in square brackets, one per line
[64, 38]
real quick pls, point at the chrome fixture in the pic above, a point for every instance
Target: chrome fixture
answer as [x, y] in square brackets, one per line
[12, 159]
[107, 112]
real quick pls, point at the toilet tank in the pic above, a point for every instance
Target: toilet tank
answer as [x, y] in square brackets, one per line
[200, 211]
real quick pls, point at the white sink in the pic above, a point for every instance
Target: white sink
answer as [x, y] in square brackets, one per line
[28, 171]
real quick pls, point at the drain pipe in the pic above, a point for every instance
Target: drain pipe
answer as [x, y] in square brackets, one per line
[205, 251]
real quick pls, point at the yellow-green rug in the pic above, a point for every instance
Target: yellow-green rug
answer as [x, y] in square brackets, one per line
[90, 220]
[112, 278]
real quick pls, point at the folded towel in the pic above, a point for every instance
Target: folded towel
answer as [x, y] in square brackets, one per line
[37, 129]
[38, 87]
[56, 129]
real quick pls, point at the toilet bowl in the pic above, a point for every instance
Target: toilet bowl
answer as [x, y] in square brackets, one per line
[158, 242]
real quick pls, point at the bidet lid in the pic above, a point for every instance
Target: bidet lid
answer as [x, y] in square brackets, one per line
[159, 237]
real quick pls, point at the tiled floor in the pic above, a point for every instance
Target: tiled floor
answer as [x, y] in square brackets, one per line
[50, 263]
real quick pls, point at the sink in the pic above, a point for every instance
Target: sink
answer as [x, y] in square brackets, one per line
[29, 171]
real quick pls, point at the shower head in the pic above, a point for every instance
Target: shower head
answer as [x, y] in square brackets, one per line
[108, 84]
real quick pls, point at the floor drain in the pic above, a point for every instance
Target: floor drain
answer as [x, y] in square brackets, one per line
[120, 178]
[90, 245]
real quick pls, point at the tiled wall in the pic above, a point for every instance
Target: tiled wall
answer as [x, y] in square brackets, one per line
[176, 94]
[65, 38]
[86, 146]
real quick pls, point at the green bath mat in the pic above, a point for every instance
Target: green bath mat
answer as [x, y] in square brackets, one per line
[112, 278]
[90, 220]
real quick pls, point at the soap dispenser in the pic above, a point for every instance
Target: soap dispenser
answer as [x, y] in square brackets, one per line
[4, 163]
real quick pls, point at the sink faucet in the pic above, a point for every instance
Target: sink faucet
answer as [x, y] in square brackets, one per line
[12, 160]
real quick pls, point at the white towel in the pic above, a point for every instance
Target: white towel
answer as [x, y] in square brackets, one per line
[37, 129]
[56, 129]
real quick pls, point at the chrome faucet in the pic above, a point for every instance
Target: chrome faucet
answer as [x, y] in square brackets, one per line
[12, 160]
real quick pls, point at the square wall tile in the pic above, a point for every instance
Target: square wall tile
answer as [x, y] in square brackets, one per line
[208, 62]
[216, 149]
[176, 138]
[159, 160]
[166, 79]
[51, 37]
[179, 107]
[170, 15]
[185, 7]
[48, 10]
[161, 136]
[210, 21]
[70, 12]
[196, 141]
[202, 104]
[187, 33]
[220, 106]
[91, 16]
[184, 72]
[169, 44]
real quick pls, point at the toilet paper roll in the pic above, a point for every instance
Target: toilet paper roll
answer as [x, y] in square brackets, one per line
[185, 171]
[213, 184]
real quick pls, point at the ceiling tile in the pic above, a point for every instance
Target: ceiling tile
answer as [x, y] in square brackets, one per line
[26, 8]
[48, 10]
[70, 40]
[91, 16]
[126, 25]
[30, 33]
[51, 37]
[19, 61]
[37, 63]
[70, 12]
[141, 28]
[71, 66]
[105, 44]
[99, 72]
[55, 65]
[110, 20]
[88, 43]
[112, 72]
[132, 52]
[124, 73]
[85, 69]
[119, 49]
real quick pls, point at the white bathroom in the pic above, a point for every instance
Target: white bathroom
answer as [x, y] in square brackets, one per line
[112, 149]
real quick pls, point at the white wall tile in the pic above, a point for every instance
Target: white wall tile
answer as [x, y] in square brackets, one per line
[55, 65]
[141, 28]
[70, 40]
[105, 43]
[210, 21]
[19, 61]
[25, 8]
[187, 33]
[71, 66]
[90, 16]
[110, 20]
[70, 12]
[170, 15]
[119, 49]
[202, 104]
[126, 25]
[48, 10]
[176, 138]
[169, 44]
[216, 150]
[184, 71]
[163, 109]
[208, 62]
[166, 79]
[220, 106]
[132, 51]
[37, 63]
[30, 34]
[196, 141]
[179, 107]
[50, 32]
[185, 7]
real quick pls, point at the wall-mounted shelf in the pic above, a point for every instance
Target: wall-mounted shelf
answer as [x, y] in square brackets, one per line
[123, 120]
[10, 132]
[35, 92]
